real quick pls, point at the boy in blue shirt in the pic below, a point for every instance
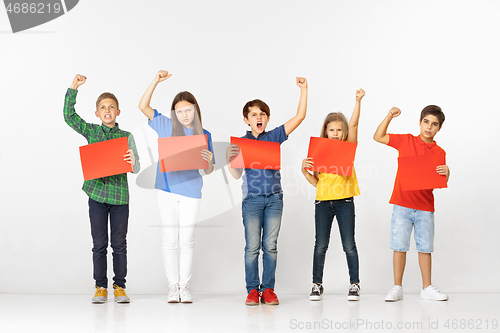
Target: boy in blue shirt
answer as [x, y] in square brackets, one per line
[262, 204]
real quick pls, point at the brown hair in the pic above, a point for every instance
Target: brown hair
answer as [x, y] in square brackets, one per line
[177, 128]
[104, 96]
[258, 103]
[336, 116]
[435, 111]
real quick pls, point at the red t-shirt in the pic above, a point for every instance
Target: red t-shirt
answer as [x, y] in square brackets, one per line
[409, 145]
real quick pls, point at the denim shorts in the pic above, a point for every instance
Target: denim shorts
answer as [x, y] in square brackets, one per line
[403, 221]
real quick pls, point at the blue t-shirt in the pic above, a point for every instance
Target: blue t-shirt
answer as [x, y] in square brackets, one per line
[263, 181]
[187, 182]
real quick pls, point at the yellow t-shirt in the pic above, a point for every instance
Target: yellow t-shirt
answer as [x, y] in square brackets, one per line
[333, 187]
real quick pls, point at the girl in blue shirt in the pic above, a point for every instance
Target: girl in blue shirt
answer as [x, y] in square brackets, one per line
[180, 191]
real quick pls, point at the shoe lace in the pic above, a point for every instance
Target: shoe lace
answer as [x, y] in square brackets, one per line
[270, 292]
[316, 288]
[173, 290]
[100, 292]
[119, 291]
[254, 292]
[396, 290]
[432, 289]
[353, 288]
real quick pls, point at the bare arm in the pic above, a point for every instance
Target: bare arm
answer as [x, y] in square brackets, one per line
[311, 178]
[381, 132]
[353, 122]
[231, 152]
[293, 123]
[146, 98]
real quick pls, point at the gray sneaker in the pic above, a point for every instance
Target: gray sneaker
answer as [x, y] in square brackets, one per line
[101, 295]
[120, 295]
[353, 294]
[316, 292]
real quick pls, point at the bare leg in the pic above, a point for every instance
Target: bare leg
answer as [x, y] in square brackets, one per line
[425, 262]
[399, 262]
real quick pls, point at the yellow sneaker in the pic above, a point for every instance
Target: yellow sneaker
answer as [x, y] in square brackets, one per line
[120, 295]
[101, 295]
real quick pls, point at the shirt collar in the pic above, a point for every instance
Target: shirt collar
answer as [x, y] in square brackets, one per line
[110, 129]
[251, 136]
[429, 145]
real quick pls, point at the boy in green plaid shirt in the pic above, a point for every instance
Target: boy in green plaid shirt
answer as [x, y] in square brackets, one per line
[108, 196]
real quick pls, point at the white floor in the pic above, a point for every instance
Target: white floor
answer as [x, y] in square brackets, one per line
[216, 313]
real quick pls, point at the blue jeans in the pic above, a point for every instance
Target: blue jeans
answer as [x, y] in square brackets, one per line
[118, 220]
[262, 222]
[403, 221]
[324, 214]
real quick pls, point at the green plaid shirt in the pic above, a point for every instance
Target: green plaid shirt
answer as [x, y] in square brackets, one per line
[113, 189]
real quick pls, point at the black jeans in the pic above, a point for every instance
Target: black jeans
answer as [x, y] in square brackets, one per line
[118, 220]
[343, 209]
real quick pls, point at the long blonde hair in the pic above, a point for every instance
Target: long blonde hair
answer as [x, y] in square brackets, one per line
[336, 116]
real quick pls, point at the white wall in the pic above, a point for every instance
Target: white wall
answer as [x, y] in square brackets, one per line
[403, 53]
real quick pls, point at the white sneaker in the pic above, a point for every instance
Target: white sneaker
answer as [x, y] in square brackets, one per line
[185, 295]
[433, 294]
[173, 294]
[395, 294]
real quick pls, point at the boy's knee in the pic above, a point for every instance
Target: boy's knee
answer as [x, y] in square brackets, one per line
[100, 248]
[119, 248]
[252, 248]
[270, 246]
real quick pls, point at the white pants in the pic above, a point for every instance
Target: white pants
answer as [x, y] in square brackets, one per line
[178, 216]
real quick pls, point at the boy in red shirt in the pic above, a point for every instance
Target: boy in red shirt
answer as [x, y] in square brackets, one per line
[414, 209]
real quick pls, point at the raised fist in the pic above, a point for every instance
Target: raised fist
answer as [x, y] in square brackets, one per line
[301, 82]
[162, 76]
[78, 81]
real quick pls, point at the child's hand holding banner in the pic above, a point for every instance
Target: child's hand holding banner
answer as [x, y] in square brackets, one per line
[419, 172]
[105, 158]
[255, 154]
[332, 156]
[182, 153]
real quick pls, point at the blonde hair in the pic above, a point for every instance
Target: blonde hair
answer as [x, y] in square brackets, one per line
[105, 96]
[336, 116]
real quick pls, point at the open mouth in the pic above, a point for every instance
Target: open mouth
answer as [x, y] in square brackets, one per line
[107, 116]
[259, 124]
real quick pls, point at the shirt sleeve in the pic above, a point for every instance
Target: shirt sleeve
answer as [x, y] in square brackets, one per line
[71, 117]
[278, 134]
[159, 122]
[131, 145]
[210, 145]
[395, 140]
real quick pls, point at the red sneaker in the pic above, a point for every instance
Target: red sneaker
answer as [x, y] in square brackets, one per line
[269, 297]
[253, 297]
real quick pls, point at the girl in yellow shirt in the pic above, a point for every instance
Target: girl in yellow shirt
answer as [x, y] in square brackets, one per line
[334, 197]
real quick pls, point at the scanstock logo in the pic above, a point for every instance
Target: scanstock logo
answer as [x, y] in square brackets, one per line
[26, 14]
